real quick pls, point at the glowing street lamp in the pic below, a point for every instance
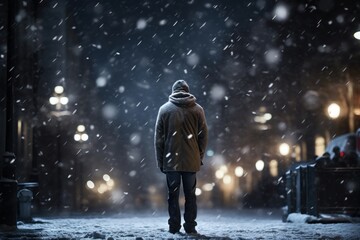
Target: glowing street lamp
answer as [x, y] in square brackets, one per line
[90, 184]
[220, 173]
[59, 89]
[106, 177]
[333, 110]
[227, 179]
[208, 187]
[58, 99]
[239, 171]
[259, 165]
[80, 135]
[357, 35]
[198, 192]
[284, 149]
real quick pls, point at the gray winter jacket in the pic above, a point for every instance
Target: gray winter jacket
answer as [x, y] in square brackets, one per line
[180, 134]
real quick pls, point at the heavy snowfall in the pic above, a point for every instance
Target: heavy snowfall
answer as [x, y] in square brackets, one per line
[89, 77]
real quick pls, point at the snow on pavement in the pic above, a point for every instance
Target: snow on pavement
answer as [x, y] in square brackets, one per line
[214, 224]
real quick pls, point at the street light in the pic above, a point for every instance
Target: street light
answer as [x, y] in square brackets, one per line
[208, 187]
[259, 165]
[198, 192]
[101, 187]
[239, 171]
[227, 179]
[220, 173]
[284, 149]
[357, 35]
[334, 110]
[90, 184]
[59, 101]
[81, 135]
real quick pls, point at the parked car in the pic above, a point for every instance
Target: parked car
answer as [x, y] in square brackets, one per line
[343, 151]
[328, 184]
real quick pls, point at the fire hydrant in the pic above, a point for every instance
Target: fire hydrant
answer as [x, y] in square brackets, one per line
[24, 197]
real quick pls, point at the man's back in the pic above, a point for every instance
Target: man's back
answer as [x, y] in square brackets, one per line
[181, 133]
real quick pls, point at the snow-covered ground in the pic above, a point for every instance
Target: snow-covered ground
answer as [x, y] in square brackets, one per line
[212, 224]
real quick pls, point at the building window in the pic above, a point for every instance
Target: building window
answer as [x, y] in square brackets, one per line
[297, 152]
[273, 165]
[319, 146]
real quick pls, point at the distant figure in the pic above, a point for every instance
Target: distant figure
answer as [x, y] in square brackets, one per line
[337, 160]
[180, 142]
[324, 160]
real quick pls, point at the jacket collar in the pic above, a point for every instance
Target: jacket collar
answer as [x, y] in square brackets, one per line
[182, 98]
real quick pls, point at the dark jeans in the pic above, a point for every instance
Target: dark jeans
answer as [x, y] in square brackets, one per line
[189, 186]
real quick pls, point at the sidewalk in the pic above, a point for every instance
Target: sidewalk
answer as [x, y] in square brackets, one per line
[212, 224]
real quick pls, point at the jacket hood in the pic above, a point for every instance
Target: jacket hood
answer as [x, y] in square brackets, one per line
[183, 99]
[180, 86]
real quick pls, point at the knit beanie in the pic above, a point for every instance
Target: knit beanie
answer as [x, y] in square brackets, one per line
[180, 85]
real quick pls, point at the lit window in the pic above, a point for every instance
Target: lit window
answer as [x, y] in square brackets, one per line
[273, 165]
[319, 146]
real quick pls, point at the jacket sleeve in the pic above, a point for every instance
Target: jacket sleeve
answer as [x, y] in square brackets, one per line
[203, 134]
[159, 140]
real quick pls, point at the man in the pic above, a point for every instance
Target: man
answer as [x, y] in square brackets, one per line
[180, 142]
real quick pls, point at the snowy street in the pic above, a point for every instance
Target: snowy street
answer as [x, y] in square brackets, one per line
[212, 224]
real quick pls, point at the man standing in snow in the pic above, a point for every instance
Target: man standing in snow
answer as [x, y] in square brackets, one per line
[180, 142]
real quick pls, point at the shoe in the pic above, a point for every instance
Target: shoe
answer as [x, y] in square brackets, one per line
[191, 231]
[174, 230]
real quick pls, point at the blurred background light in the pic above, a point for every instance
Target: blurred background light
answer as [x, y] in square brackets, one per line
[90, 184]
[259, 165]
[239, 171]
[284, 149]
[357, 35]
[59, 89]
[334, 110]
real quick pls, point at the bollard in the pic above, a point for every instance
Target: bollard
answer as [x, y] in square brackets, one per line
[24, 197]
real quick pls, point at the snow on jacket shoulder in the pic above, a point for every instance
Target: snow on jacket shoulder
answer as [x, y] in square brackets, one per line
[180, 134]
